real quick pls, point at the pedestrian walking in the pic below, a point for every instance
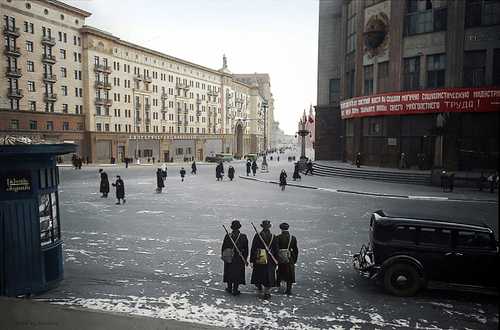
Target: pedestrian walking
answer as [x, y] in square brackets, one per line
[164, 170]
[219, 171]
[358, 159]
[278, 159]
[403, 161]
[183, 173]
[296, 174]
[104, 185]
[230, 173]
[126, 162]
[249, 166]
[309, 167]
[160, 184]
[234, 254]
[120, 190]
[80, 162]
[193, 168]
[287, 257]
[283, 177]
[254, 167]
[493, 181]
[262, 256]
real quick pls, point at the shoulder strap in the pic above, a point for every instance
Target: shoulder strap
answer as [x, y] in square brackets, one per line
[289, 242]
[237, 238]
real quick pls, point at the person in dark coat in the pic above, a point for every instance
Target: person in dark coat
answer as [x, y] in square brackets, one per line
[286, 270]
[193, 168]
[283, 177]
[160, 184]
[183, 173]
[358, 159]
[120, 189]
[309, 167]
[234, 272]
[254, 167]
[104, 186]
[230, 173]
[296, 174]
[126, 162]
[264, 267]
[219, 171]
[249, 166]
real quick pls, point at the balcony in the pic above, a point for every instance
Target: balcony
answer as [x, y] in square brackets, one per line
[164, 96]
[15, 93]
[50, 97]
[148, 121]
[147, 107]
[48, 40]
[138, 77]
[213, 93]
[198, 101]
[103, 102]
[13, 72]
[49, 59]
[102, 68]
[11, 31]
[138, 119]
[182, 85]
[164, 108]
[138, 106]
[102, 85]
[50, 78]
[148, 79]
[12, 51]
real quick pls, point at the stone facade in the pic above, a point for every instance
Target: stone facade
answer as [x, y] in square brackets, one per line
[372, 47]
[120, 100]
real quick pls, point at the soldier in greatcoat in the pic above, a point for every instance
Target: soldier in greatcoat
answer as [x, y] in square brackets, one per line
[104, 185]
[160, 184]
[264, 266]
[286, 268]
[234, 272]
[249, 166]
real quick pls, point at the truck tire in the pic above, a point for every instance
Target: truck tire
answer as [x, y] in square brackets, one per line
[402, 279]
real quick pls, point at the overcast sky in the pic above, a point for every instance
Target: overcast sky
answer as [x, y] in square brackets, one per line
[279, 37]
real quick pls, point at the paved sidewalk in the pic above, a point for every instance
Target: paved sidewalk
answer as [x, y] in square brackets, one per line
[376, 188]
[21, 314]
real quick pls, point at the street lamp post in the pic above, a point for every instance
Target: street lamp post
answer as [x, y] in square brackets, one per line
[264, 161]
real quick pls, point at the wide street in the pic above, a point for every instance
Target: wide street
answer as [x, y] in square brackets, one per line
[159, 254]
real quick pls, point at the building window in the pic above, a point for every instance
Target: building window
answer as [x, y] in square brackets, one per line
[31, 86]
[482, 12]
[65, 126]
[106, 127]
[64, 72]
[351, 27]
[474, 68]
[98, 127]
[33, 124]
[496, 66]
[423, 17]
[436, 69]
[373, 126]
[383, 82]
[411, 73]
[64, 90]
[50, 126]
[65, 108]
[29, 46]
[14, 124]
[30, 66]
[179, 151]
[32, 106]
[62, 53]
[350, 75]
[334, 91]
[368, 80]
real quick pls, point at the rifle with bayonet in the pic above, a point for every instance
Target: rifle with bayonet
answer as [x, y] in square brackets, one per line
[235, 246]
[265, 245]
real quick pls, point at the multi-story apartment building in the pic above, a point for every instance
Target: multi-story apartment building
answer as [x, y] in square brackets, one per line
[419, 77]
[116, 99]
[41, 71]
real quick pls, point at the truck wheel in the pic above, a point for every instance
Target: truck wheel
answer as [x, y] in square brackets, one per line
[402, 279]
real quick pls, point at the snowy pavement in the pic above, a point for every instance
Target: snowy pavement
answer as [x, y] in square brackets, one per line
[159, 254]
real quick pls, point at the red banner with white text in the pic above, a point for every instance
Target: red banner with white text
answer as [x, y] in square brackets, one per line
[486, 99]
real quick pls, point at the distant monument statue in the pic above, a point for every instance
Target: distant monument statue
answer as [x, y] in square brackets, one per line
[224, 64]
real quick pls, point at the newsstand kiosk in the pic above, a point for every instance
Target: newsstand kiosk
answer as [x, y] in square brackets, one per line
[31, 258]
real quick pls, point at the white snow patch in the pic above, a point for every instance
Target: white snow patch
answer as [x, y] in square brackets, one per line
[149, 212]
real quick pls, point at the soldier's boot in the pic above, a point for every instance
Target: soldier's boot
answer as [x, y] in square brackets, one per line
[267, 295]
[288, 288]
[229, 288]
[236, 292]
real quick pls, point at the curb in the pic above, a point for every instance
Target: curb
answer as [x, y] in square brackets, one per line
[366, 193]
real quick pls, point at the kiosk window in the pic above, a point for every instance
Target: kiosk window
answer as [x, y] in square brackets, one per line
[43, 178]
[49, 220]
